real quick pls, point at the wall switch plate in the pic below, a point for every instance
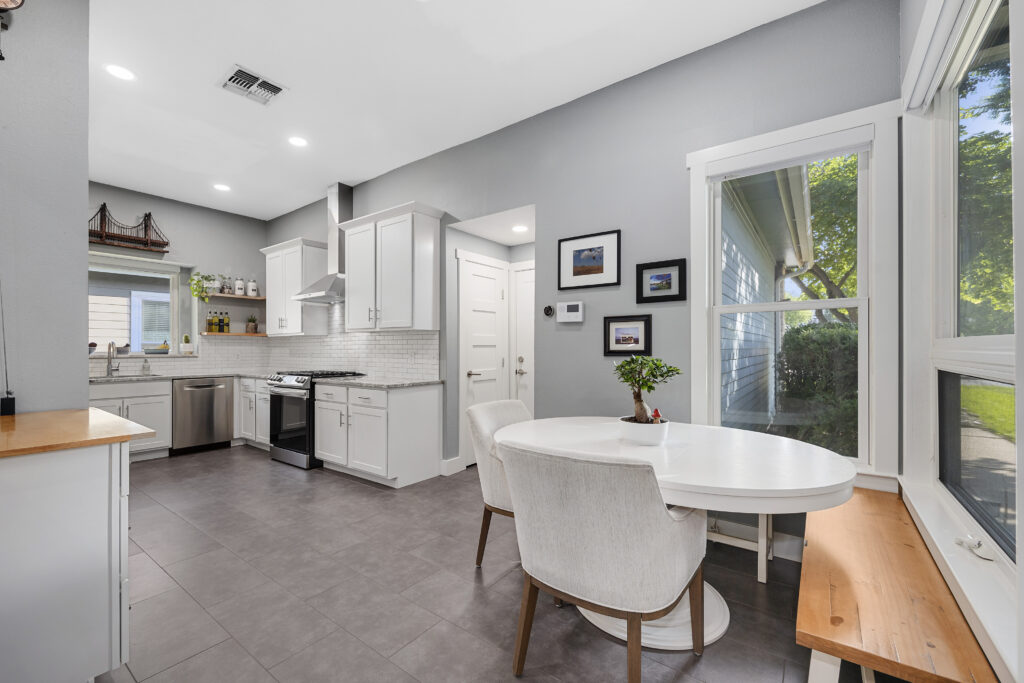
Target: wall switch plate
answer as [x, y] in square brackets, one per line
[569, 312]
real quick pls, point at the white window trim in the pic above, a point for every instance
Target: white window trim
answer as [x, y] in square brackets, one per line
[983, 589]
[875, 126]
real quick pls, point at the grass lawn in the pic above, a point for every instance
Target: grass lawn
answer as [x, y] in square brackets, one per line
[994, 406]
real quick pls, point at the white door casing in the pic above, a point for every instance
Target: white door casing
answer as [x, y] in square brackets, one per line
[522, 277]
[483, 338]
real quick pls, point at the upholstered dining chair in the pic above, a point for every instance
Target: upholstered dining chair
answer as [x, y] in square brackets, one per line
[596, 533]
[484, 420]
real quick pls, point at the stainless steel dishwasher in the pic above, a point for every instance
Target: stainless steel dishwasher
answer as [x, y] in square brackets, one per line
[204, 412]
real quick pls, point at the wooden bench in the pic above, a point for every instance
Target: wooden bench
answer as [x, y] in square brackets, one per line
[871, 594]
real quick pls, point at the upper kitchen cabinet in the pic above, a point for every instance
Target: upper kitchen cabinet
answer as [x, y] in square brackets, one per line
[292, 266]
[392, 269]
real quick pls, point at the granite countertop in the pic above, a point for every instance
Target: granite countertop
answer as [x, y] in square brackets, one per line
[59, 430]
[377, 383]
[158, 378]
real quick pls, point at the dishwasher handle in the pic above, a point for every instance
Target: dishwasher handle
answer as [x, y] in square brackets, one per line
[196, 387]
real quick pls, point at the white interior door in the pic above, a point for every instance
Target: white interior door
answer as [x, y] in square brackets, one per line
[483, 338]
[522, 279]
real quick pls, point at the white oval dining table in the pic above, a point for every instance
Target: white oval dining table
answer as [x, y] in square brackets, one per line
[710, 468]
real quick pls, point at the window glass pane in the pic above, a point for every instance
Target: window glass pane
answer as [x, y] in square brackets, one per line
[977, 451]
[794, 374]
[791, 234]
[131, 309]
[984, 192]
[156, 321]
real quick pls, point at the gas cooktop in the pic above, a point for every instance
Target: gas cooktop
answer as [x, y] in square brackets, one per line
[323, 373]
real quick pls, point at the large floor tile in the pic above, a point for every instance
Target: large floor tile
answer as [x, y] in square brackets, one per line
[167, 629]
[393, 568]
[223, 663]
[725, 661]
[325, 536]
[215, 576]
[271, 623]
[146, 578]
[166, 537]
[304, 572]
[339, 658]
[448, 654]
[459, 558]
[382, 619]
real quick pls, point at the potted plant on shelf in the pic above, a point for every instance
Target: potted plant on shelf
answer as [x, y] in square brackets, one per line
[252, 325]
[640, 374]
[186, 347]
[203, 285]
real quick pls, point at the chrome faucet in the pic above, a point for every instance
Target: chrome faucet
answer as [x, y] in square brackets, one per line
[112, 367]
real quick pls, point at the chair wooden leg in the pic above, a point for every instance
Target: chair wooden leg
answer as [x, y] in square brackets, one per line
[633, 648]
[526, 610]
[558, 602]
[485, 525]
[696, 590]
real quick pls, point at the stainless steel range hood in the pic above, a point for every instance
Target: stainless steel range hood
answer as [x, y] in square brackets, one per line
[331, 288]
[327, 290]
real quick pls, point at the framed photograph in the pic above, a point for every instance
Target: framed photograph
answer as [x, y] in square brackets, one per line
[627, 335]
[661, 281]
[589, 260]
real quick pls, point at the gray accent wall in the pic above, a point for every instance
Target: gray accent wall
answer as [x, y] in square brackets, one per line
[522, 252]
[44, 116]
[309, 221]
[617, 159]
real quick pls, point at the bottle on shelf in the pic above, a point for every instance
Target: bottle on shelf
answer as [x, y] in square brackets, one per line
[209, 321]
[220, 322]
[227, 321]
[239, 286]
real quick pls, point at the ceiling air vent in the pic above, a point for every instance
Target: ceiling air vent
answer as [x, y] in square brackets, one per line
[250, 85]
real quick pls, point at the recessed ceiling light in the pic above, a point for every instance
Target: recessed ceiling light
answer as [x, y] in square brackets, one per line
[297, 141]
[222, 187]
[520, 228]
[120, 72]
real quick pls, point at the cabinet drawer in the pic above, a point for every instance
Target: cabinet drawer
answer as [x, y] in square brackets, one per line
[376, 398]
[330, 393]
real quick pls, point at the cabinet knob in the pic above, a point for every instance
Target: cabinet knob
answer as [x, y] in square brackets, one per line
[369, 314]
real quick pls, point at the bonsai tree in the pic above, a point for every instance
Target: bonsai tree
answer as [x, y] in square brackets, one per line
[640, 374]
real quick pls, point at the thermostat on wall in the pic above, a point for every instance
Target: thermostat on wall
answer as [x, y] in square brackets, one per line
[570, 312]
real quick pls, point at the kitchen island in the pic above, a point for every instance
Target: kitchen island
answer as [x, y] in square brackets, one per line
[64, 525]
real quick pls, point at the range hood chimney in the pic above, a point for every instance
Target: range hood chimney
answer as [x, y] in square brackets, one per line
[331, 288]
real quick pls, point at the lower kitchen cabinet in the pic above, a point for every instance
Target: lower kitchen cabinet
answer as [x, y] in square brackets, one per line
[331, 432]
[392, 436]
[252, 411]
[146, 403]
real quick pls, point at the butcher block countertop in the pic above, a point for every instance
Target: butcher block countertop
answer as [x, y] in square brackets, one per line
[59, 430]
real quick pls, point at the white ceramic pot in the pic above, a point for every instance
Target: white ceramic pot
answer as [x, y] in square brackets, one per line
[186, 349]
[643, 434]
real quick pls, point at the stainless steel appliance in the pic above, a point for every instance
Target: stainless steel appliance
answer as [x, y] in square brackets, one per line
[203, 410]
[292, 438]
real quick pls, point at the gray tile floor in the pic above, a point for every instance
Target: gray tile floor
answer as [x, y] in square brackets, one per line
[244, 569]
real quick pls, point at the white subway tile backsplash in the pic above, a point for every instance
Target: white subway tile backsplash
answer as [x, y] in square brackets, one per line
[392, 355]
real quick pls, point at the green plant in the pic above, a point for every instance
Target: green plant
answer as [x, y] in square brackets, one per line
[186, 339]
[640, 374]
[198, 284]
[252, 319]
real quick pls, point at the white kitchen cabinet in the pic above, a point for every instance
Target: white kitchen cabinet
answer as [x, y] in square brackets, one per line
[368, 440]
[245, 415]
[331, 431]
[263, 418]
[392, 269]
[147, 403]
[292, 266]
[390, 436]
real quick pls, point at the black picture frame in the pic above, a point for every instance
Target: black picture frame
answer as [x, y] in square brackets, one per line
[565, 279]
[643, 321]
[642, 296]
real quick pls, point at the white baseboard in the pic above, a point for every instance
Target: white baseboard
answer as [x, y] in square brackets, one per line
[786, 546]
[147, 455]
[878, 482]
[450, 466]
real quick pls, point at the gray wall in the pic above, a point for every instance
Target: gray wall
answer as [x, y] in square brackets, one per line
[522, 252]
[309, 221]
[212, 241]
[44, 115]
[617, 159]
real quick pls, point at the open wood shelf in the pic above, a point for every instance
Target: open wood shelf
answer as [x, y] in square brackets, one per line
[236, 296]
[233, 334]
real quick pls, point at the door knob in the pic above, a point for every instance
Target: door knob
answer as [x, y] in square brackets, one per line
[471, 373]
[520, 371]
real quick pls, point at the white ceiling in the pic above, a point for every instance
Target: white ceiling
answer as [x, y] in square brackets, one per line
[497, 227]
[373, 84]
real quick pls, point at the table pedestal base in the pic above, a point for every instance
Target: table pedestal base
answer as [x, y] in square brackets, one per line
[672, 631]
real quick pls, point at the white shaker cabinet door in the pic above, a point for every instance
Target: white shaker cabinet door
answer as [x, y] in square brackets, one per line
[394, 272]
[153, 412]
[263, 418]
[331, 433]
[292, 285]
[109, 405]
[368, 439]
[360, 278]
[275, 290]
[246, 427]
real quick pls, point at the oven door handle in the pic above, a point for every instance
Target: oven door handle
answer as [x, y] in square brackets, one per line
[294, 393]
